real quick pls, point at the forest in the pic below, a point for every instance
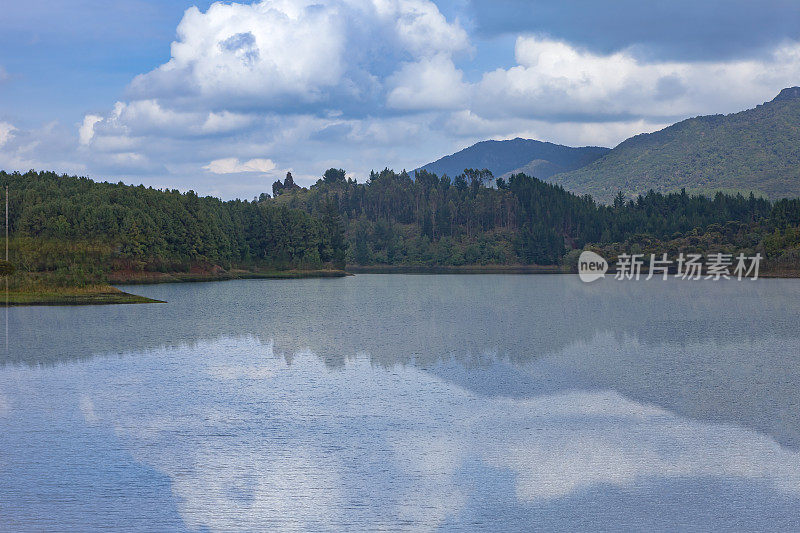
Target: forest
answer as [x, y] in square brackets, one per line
[74, 231]
[394, 219]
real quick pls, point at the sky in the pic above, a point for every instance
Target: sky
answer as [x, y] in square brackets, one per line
[223, 98]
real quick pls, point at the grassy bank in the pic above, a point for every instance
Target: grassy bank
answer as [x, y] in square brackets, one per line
[41, 289]
[93, 295]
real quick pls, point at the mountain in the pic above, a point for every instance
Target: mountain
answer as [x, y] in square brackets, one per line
[757, 150]
[538, 168]
[540, 159]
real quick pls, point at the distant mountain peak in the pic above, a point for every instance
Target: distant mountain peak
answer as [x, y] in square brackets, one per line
[517, 154]
[789, 93]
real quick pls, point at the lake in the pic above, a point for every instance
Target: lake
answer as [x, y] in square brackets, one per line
[406, 402]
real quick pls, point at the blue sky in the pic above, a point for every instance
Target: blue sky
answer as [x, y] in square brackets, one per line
[225, 98]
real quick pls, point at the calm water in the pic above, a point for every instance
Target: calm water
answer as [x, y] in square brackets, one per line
[392, 402]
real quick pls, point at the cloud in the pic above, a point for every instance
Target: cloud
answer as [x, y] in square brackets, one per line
[296, 55]
[684, 30]
[143, 118]
[6, 132]
[50, 146]
[632, 447]
[431, 83]
[469, 125]
[86, 129]
[287, 78]
[232, 165]
[363, 84]
[554, 445]
[554, 79]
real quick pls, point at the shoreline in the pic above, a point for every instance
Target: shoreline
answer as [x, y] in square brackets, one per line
[152, 278]
[464, 269]
[515, 269]
[108, 294]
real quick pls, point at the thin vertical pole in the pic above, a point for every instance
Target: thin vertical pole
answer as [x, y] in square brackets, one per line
[6, 222]
[6, 276]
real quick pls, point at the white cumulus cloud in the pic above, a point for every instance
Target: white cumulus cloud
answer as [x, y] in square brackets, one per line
[556, 78]
[232, 165]
[431, 83]
[295, 79]
[363, 84]
[287, 54]
[86, 129]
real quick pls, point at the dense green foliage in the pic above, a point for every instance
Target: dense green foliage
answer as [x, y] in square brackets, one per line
[751, 151]
[396, 220]
[6, 268]
[516, 155]
[77, 229]
[73, 231]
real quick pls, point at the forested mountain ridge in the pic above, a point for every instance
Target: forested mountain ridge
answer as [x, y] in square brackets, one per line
[512, 156]
[757, 150]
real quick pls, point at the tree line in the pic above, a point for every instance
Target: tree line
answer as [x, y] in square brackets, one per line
[80, 229]
[396, 219]
[77, 229]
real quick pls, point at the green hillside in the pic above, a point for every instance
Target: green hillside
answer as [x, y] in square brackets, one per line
[538, 167]
[757, 150]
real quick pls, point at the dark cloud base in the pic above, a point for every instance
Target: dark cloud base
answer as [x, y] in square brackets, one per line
[679, 29]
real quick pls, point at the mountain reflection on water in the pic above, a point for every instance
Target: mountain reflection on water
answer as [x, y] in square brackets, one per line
[399, 401]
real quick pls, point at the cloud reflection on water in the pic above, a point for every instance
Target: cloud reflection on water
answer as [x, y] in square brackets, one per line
[403, 401]
[264, 443]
